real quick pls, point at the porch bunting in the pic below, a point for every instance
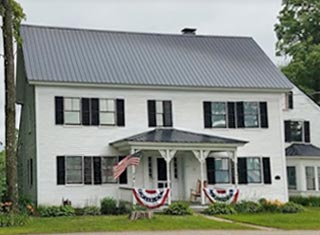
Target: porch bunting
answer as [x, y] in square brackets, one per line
[151, 198]
[222, 195]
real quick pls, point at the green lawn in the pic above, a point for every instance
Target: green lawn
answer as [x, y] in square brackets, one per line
[116, 223]
[309, 219]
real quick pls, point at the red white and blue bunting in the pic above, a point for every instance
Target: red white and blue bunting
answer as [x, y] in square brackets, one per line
[222, 195]
[151, 198]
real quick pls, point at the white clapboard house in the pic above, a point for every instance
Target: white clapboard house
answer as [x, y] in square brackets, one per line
[205, 109]
[302, 141]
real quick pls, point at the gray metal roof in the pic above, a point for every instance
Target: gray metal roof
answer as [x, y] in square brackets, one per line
[54, 54]
[172, 135]
[307, 150]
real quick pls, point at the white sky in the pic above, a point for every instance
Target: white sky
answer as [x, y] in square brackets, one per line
[254, 18]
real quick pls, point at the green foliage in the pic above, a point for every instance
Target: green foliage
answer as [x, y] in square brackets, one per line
[124, 208]
[18, 16]
[178, 208]
[2, 175]
[306, 201]
[298, 34]
[270, 206]
[55, 211]
[108, 206]
[219, 209]
[291, 207]
[10, 220]
[87, 210]
[247, 207]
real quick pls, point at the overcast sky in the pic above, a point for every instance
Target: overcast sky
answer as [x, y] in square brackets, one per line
[254, 18]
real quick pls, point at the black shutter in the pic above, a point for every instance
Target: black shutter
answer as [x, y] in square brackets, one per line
[95, 120]
[58, 101]
[240, 115]
[287, 131]
[233, 180]
[87, 170]
[61, 179]
[85, 111]
[290, 100]
[264, 114]
[242, 170]
[266, 170]
[306, 125]
[123, 179]
[167, 111]
[231, 115]
[211, 170]
[120, 112]
[207, 113]
[152, 113]
[97, 170]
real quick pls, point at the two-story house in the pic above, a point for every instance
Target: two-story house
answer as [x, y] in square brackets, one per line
[302, 141]
[205, 108]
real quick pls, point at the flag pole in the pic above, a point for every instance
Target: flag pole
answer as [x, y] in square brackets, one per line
[134, 202]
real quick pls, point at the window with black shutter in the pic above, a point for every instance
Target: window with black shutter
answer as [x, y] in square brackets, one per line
[240, 115]
[287, 131]
[231, 115]
[297, 131]
[167, 113]
[59, 115]
[290, 100]
[210, 170]
[266, 170]
[306, 126]
[160, 113]
[95, 114]
[97, 178]
[85, 111]
[61, 178]
[120, 112]
[88, 170]
[207, 114]
[264, 114]
[242, 171]
[152, 113]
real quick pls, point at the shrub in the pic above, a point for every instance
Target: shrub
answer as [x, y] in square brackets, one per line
[108, 206]
[270, 206]
[306, 201]
[124, 208]
[247, 207]
[9, 220]
[55, 211]
[291, 207]
[219, 209]
[178, 208]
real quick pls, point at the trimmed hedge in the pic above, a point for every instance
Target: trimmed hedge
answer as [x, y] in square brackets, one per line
[247, 207]
[311, 201]
[219, 209]
[55, 211]
[178, 208]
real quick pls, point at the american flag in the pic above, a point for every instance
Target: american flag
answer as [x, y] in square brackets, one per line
[120, 167]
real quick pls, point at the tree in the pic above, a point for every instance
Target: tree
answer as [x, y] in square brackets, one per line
[2, 175]
[12, 15]
[298, 33]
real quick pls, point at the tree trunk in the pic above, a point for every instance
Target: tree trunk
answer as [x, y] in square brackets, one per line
[10, 100]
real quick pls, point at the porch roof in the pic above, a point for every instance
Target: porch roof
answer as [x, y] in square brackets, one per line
[302, 150]
[171, 135]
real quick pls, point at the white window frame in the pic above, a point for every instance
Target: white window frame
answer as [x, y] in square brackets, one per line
[226, 114]
[66, 170]
[261, 170]
[114, 112]
[295, 170]
[159, 113]
[229, 170]
[302, 131]
[71, 110]
[315, 177]
[258, 114]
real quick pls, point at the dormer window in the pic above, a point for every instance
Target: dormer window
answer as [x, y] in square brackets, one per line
[289, 100]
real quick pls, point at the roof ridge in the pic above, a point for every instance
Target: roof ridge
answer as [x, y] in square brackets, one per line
[135, 32]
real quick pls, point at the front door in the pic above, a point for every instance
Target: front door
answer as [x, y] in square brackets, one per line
[161, 173]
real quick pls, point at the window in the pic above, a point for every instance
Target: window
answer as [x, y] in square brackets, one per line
[291, 172]
[74, 170]
[107, 164]
[289, 100]
[254, 170]
[159, 113]
[72, 111]
[107, 112]
[297, 131]
[310, 178]
[219, 115]
[251, 114]
[222, 170]
[89, 111]
[235, 114]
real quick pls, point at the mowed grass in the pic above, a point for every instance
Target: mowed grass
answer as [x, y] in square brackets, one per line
[307, 220]
[117, 223]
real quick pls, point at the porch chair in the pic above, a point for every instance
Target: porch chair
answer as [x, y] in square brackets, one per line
[195, 193]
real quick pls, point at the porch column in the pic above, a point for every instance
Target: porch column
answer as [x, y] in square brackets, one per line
[235, 160]
[134, 201]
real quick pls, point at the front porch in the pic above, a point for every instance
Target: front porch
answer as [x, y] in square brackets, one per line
[177, 160]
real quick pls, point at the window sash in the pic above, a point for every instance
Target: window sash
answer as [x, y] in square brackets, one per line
[107, 111]
[254, 170]
[251, 114]
[159, 113]
[297, 131]
[219, 114]
[74, 173]
[107, 164]
[222, 170]
[72, 110]
[292, 182]
[310, 178]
